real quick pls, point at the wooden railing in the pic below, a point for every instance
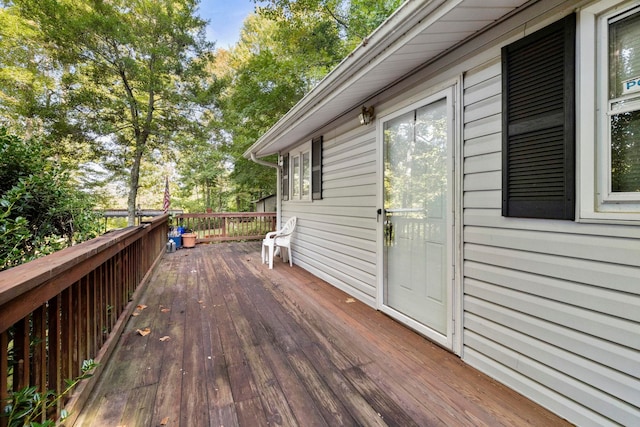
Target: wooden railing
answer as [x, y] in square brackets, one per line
[219, 227]
[57, 311]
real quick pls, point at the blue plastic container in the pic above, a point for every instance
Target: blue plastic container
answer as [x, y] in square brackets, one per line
[180, 230]
[177, 240]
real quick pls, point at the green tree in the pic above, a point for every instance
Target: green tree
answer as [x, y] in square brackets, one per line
[23, 71]
[41, 209]
[284, 51]
[31, 92]
[354, 20]
[266, 73]
[135, 73]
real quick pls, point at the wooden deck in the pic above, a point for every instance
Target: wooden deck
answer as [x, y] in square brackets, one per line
[233, 343]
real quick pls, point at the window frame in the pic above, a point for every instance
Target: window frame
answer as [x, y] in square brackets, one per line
[296, 186]
[596, 201]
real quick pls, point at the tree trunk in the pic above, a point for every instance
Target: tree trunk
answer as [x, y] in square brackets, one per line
[134, 179]
[208, 194]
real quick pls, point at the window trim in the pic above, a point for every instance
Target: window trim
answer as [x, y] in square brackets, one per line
[595, 201]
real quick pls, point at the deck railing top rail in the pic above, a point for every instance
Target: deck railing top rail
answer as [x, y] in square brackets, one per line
[226, 226]
[20, 279]
[228, 215]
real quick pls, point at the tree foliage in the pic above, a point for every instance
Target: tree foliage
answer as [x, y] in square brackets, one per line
[266, 73]
[134, 73]
[124, 87]
[41, 209]
[284, 51]
[31, 94]
[354, 20]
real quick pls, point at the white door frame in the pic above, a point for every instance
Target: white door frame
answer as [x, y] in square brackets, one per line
[453, 338]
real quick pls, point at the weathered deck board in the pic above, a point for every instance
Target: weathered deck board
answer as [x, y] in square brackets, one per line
[249, 346]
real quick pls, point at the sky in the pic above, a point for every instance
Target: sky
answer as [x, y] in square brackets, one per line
[225, 19]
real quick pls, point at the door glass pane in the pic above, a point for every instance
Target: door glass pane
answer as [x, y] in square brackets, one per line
[416, 182]
[431, 163]
[398, 136]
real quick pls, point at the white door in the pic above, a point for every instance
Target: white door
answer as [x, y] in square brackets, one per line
[417, 231]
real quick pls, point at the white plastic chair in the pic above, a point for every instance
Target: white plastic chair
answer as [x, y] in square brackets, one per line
[279, 239]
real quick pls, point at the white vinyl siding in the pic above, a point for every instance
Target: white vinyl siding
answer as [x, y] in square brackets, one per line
[335, 237]
[552, 308]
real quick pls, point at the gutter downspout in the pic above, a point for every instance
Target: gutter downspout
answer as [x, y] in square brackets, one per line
[278, 190]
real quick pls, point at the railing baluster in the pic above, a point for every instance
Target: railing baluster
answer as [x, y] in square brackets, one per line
[99, 313]
[123, 278]
[75, 328]
[39, 352]
[38, 357]
[21, 354]
[66, 334]
[54, 381]
[112, 269]
[91, 315]
[84, 330]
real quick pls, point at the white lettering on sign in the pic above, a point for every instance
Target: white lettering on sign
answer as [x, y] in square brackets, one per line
[631, 86]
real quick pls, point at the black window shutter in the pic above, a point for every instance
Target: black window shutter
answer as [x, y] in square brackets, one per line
[538, 150]
[316, 168]
[285, 177]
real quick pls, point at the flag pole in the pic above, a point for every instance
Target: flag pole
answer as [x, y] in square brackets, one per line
[166, 202]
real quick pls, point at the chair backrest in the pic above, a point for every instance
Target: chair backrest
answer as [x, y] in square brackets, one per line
[284, 234]
[289, 226]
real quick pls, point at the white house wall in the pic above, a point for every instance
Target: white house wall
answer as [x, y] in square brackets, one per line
[550, 308]
[335, 237]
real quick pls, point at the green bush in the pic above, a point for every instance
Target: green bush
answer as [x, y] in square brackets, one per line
[41, 208]
[28, 406]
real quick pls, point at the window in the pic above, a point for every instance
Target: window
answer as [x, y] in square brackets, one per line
[302, 172]
[610, 156]
[538, 82]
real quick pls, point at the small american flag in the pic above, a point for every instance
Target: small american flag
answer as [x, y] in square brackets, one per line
[166, 203]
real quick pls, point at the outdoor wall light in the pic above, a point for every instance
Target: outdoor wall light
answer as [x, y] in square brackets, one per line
[366, 115]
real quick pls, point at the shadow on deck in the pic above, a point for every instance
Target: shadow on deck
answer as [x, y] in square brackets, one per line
[233, 343]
